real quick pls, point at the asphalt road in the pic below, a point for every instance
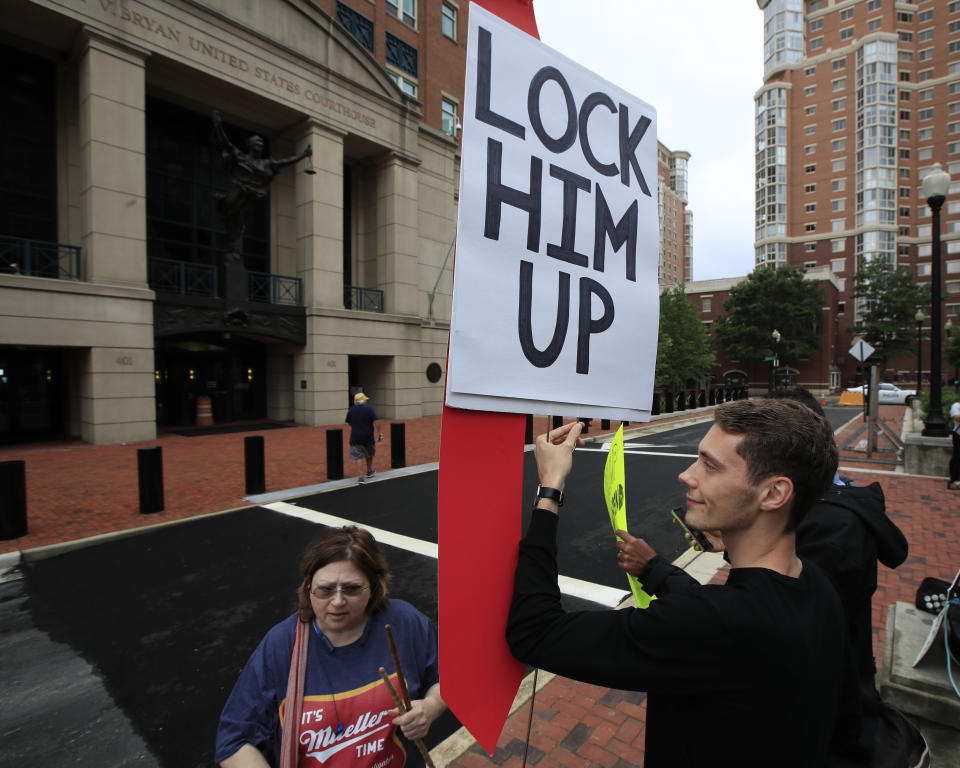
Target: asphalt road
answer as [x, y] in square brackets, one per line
[122, 654]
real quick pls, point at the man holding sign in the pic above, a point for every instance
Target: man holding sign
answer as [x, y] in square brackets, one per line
[750, 673]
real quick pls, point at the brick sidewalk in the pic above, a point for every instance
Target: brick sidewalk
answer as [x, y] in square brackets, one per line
[77, 490]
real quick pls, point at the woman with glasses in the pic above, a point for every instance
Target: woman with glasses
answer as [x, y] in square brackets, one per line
[330, 651]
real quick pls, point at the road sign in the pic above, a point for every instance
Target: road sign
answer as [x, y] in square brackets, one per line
[861, 350]
[770, 357]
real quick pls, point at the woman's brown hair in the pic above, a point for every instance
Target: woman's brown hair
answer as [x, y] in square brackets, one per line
[354, 545]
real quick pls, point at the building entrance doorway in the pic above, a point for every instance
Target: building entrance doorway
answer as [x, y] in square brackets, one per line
[32, 394]
[230, 371]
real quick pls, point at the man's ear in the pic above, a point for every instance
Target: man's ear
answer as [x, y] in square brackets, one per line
[776, 494]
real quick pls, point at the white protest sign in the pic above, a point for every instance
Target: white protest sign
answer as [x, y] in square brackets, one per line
[556, 302]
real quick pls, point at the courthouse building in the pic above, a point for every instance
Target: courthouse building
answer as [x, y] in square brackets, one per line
[117, 308]
[860, 98]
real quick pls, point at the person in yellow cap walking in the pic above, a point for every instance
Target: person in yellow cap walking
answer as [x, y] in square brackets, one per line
[362, 420]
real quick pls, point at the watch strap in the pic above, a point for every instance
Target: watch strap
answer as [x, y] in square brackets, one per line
[545, 492]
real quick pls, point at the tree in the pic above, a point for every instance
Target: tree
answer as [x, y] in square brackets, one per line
[768, 300]
[684, 350]
[952, 355]
[887, 300]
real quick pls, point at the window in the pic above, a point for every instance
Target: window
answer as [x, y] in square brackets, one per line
[810, 248]
[904, 114]
[953, 27]
[838, 225]
[448, 115]
[839, 84]
[953, 128]
[809, 187]
[925, 35]
[904, 134]
[810, 110]
[838, 164]
[816, 44]
[816, 24]
[953, 108]
[873, 5]
[925, 95]
[923, 270]
[904, 95]
[838, 145]
[357, 25]
[904, 76]
[925, 114]
[839, 105]
[953, 46]
[811, 227]
[448, 21]
[838, 204]
[809, 71]
[838, 185]
[905, 154]
[815, 5]
[953, 88]
[904, 173]
[904, 191]
[809, 149]
[954, 7]
[925, 153]
[810, 90]
[405, 10]
[846, 34]
[925, 55]
[406, 85]
[905, 18]
[925, 74]
[837, 266]
[924, 16]
[809, 130]
[953, 267]
[953, 148]
[878, 22]
[837, 245]
[809, 207]
[810, 168]
[841, 307]
[905, 57]
[839, 64]
[707, 303]
[904, 211]
[403, 56]
[846, 14]
[905, 37]
[839, 125]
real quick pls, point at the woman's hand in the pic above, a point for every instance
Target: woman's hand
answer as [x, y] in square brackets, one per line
[415, 723]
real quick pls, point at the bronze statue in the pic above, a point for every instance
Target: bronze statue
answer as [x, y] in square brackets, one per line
[250, 177]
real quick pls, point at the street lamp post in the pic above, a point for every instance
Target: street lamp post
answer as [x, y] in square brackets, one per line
[934, 188]
[919, 317]
[776, 358]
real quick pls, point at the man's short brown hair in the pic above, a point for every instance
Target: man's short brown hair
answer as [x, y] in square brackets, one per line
[783, 437]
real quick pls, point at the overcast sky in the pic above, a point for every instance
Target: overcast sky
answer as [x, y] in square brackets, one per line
[698, 63]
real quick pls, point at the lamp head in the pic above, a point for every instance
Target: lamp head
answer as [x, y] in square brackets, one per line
[919, 317]
[936, 183]
[775, 335]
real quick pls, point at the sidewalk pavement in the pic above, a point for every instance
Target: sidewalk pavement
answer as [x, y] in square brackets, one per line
[76, 490]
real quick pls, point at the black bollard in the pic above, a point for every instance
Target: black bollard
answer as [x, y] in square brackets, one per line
[528, 433]
[655, 406]
[150, 479]
[557, 422]
[668, 398]
[13, 499]
[605, 425]
[398, 447]
[334, 454]
[692, 403]
[702, 400]
[253, 464]
[681, 402]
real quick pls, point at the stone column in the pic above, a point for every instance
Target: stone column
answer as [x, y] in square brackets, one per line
[113, 198]
[398, 237]
[320, 376]
[117, 397]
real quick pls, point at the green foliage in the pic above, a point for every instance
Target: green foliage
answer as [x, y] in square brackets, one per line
[684, 350]
[888, 299]
[952, 352]
[948, 396]
[768, 300]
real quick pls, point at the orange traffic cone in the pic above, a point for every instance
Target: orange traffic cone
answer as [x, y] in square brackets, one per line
[823, 399]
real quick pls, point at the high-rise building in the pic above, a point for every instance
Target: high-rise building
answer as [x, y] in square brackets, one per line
[676, 220]
[860, 98]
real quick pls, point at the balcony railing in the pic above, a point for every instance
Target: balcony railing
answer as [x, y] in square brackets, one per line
[363, 299]
[38, 258]
[183, 277]
[274, 289]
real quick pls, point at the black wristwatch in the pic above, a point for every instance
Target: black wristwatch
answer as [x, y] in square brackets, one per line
[543, 492]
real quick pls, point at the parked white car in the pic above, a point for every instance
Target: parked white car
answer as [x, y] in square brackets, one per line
[889, 394]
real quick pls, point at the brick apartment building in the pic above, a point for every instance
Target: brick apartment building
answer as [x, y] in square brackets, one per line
[860, 98]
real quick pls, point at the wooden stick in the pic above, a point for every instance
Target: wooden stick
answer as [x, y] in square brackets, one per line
[403, 709]
[396, 663]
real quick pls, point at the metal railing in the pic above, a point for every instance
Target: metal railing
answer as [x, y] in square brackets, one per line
[183, 277]
[363, 299]
[274, 289]
[39, 258]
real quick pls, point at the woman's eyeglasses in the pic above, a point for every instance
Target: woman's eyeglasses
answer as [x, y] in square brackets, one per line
[325, 592]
